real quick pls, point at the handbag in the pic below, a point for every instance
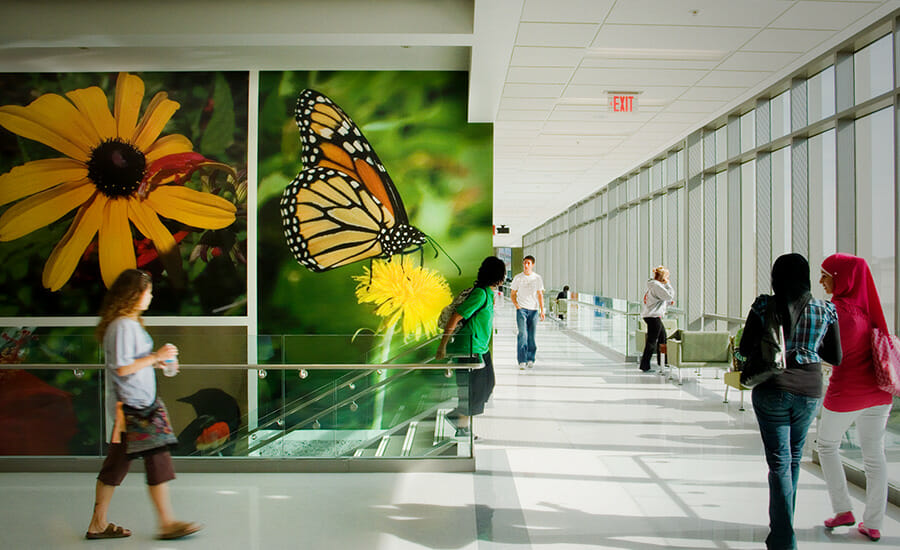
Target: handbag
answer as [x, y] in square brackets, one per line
[769, 359]
[886, 359]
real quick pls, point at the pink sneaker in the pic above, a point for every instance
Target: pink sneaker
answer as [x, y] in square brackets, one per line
[873, 534]
[844, 518]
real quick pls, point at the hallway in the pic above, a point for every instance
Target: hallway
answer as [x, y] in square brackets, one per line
[579, 452]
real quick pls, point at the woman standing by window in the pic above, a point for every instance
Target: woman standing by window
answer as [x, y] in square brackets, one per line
[658, 297]
[853, 395]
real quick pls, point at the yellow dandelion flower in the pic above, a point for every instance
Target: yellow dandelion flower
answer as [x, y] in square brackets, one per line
[117, 171]
[400, 289]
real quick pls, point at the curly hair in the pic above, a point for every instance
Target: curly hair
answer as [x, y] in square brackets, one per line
[122, 298]
[660, 272]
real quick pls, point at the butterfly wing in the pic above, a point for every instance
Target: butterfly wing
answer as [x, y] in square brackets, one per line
[332, 140]
[343, 207]
[330, 220]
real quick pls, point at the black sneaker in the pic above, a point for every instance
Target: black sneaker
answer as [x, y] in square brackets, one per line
[463, 432]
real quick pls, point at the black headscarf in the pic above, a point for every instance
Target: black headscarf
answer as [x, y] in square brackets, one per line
[791, 285]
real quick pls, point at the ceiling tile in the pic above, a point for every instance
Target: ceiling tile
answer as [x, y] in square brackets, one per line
[527, 103]
[602, 108]
[697, 39]
[633, 63]
[784, 40]
[516, 127]
[823, 15]
[687, 106]
[533, 90]
[532, 56]
[567, 140]
[700, 93]
[713, 13]
[597, 115]
[557, 164]
[577, 35]
[734, 78]
[513, 114]
[594, 11]
[757, 61]
[627, 79]
[541, 75]
[602, 128]
[666, 116]
[662, 94]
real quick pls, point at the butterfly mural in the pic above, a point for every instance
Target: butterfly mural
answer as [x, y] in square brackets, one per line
[342, 207]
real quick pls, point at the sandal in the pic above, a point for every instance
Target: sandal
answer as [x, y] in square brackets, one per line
[180, 529]
[112, 531]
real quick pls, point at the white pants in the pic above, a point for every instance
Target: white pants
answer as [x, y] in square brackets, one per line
[870, 427]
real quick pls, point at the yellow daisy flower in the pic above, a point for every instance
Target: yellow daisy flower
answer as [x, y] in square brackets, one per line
[400, 289]
[117, 171]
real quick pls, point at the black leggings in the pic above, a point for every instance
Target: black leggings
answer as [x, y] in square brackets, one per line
[656, 336]
[475, 387]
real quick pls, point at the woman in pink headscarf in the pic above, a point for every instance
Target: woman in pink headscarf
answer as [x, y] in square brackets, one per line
[853, 395]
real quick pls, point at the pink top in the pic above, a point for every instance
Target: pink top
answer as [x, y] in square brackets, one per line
[852, 384]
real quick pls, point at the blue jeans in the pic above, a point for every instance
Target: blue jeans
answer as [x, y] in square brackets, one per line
[784, 419]
[526, 322]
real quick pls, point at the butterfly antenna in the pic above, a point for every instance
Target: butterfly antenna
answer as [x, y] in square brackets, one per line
[437, 247]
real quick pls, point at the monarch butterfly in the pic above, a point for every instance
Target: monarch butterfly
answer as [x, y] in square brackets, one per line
[342, 207]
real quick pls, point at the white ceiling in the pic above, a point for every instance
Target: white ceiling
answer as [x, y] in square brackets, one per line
[539, 69]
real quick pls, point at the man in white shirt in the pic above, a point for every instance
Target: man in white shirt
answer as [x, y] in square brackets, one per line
[528, 297]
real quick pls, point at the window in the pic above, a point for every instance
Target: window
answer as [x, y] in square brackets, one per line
[820, 93]
[721, 145]
[781, 202]
[748, 131]
[876, 225]
[748, 233]
[872, 70]
[822, 200]
[780, 107]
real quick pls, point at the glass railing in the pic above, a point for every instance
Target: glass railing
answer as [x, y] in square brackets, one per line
[608, 322]
[307, 396]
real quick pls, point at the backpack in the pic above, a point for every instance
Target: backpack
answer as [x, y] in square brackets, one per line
[769, 358]
[448, 311]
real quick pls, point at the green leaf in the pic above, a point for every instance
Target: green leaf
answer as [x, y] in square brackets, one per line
[271, 187]
[219, 133]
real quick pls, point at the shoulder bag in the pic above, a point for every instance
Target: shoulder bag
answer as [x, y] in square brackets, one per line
[886, 359]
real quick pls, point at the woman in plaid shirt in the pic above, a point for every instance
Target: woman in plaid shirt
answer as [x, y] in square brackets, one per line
[786, 404]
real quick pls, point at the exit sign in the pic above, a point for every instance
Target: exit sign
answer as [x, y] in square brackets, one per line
[623, 103]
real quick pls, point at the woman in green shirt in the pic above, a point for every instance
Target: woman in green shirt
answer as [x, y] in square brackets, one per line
[474, 339]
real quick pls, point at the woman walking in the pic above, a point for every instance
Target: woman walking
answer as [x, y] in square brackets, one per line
[142, 425]
[657, 298]
[853, 395]
[474, 338]
[786, 404]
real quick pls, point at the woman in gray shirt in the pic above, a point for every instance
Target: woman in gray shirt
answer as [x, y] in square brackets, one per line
[657, 299]
[142, 425]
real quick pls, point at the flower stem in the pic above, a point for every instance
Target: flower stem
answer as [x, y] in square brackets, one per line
[383, 357]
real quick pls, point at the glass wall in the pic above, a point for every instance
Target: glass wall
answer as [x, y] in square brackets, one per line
[719, 206]
[875, 210]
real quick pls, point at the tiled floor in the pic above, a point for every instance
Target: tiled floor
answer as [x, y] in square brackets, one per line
[578, 453]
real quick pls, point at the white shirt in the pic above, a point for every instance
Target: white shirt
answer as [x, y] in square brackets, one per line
[657, 299]
[527, 287]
